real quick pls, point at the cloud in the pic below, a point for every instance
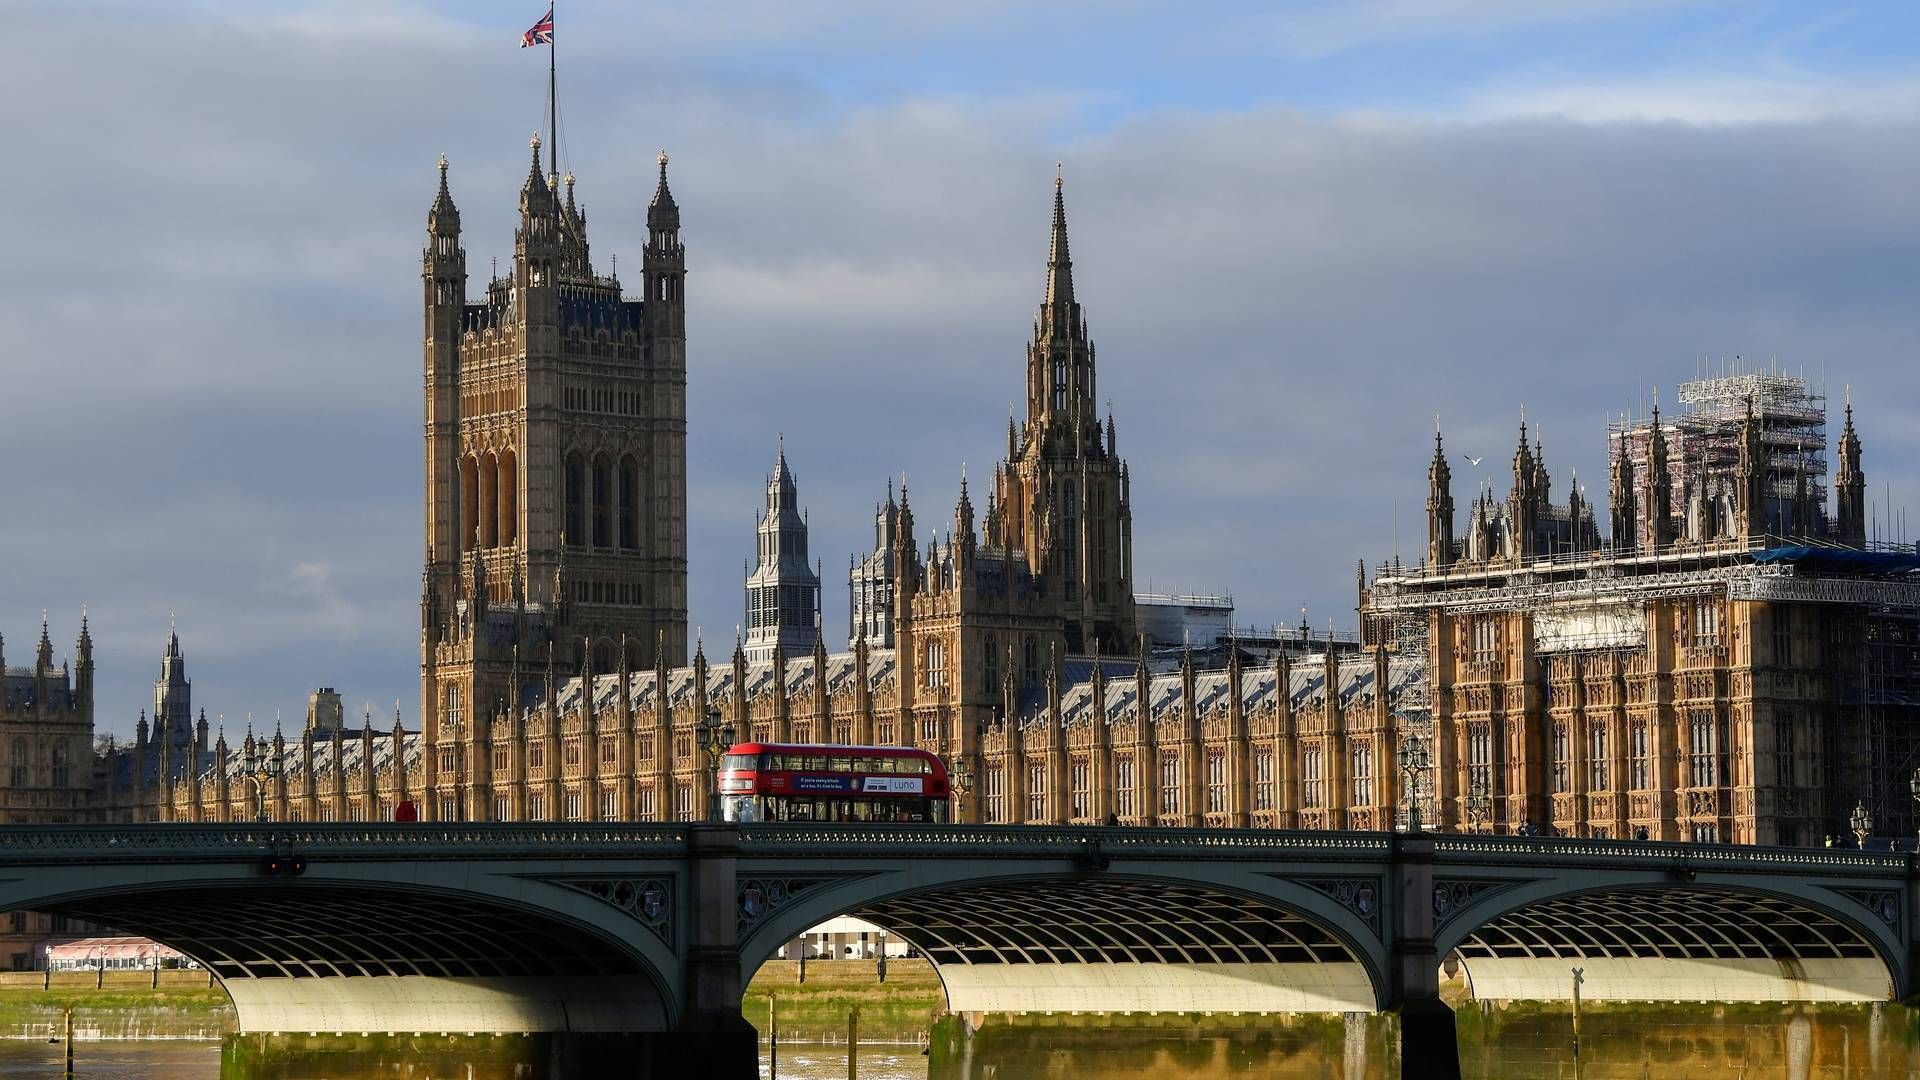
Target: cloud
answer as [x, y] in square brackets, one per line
[1697, 100]
[210, 397]
[1322, 29]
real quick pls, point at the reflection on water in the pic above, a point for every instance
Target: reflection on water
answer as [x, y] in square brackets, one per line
[1356, 1047]
[825, 1061]
[1529, 1041]
[1507, 1042]
[32, 1060]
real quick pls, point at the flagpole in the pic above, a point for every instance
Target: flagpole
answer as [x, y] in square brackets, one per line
[553, 100]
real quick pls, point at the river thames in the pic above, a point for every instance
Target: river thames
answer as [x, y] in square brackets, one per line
[1788, 1042]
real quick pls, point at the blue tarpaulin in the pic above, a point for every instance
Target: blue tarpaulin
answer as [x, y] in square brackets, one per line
[1821, 560]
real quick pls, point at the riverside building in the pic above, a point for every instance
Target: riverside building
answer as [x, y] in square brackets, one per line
[1730, 659]
[1737, 661]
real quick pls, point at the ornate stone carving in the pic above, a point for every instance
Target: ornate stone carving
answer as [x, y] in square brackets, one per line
[1703, 803]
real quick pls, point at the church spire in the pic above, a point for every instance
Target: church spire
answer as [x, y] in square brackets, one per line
[1439, 505]
[1059, 300]
[663, 214]
[443, 218]
[536, 180]
[1851, 484]
[783, 588]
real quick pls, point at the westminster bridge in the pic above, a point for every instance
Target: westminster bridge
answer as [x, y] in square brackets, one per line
[649, 932]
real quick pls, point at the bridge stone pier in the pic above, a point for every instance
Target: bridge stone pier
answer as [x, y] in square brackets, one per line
[631, 943]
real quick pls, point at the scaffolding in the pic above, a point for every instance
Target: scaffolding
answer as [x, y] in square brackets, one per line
[1703, 453]
[1889, 723]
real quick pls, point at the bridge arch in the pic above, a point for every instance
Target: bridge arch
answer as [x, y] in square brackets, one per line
[362, 948]
[1191, 938]
[1648, 937]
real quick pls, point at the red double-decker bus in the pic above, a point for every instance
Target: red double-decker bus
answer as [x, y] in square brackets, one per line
[793, 782]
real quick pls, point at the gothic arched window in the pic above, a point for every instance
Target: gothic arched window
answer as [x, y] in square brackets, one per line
[575, 480]
[507, 503]
[469, 503]
[489, 490]
[629, 503]
[1070, 540]
[990, 668]
[602, 497]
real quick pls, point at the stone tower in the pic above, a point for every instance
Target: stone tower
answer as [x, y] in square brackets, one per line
[173, 731]
[870, 582]
[1850, 486]
[1062, 493]
[555, 434]
[1439, 505]
[783, 591]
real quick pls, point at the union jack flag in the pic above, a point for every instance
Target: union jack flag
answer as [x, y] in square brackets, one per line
[542, 32]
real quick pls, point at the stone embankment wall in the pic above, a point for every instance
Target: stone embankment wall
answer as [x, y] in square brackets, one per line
[122, 1005]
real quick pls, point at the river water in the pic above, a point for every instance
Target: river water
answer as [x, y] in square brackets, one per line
[1519, 1042]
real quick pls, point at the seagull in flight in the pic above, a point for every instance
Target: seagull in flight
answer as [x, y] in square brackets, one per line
[1473, 461]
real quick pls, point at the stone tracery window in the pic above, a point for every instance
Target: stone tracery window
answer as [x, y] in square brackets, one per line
[1360, 754]
[602, 483]
[575, 482]
[1312, 779]
[629, 504]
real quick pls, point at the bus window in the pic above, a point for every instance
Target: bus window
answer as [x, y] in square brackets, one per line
[841, 764]
[766, 762]
[881, 765]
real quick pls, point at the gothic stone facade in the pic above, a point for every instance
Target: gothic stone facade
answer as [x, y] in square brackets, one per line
[46, 768]
[1706, 675]
[1674, 679]
[555, 458]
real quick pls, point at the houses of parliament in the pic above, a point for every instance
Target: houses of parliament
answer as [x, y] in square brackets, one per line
[1720, 653]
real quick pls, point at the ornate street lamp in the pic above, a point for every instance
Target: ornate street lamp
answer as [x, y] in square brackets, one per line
[1862, 823]
[259, 767]
[960, 778]
[1414, 762]
[714, 735]
[1913, 785]
[1479, 803]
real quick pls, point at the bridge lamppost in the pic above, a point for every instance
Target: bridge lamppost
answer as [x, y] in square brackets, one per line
[259, 768]
[1478, 803]
[714, 735]
[960, 778]
[1414, 761]
[1913, 785]
[1862, 823]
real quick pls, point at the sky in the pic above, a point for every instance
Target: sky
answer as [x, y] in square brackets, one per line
[1300, 231]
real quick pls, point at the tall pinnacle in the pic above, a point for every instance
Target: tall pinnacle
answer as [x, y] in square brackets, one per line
[1059, 300]
[536, 181]
[662, 196]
